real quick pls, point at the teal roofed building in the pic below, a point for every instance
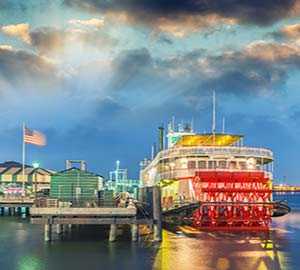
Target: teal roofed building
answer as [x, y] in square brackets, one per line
[75, 183]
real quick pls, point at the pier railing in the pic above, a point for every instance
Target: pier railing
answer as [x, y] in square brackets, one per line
[217, 152]
[80, 203]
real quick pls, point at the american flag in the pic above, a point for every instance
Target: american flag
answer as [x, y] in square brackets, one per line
[34, 137]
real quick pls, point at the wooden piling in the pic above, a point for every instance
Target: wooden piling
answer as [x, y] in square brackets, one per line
[59, 228]
[47, 232]
[157, 214]
[113, 232]
[134, 232]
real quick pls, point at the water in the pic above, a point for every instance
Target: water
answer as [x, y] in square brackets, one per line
[22, 248]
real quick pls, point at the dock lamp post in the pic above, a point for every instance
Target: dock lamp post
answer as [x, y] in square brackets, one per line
[35, 168]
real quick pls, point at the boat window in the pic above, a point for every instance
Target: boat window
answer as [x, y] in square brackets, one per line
[222, 164]
[243, 165]
[212, 164]
[232, 165]
[192, 164]
[202, 164]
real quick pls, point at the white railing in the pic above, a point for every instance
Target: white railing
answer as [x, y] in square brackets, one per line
[217, 151]
[214, 152]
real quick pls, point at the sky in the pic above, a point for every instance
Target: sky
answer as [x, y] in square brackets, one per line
[98, 77]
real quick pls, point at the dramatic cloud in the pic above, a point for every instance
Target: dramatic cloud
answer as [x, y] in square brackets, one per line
[18, 30]
[52, 40]
[273, 52]
[6, 47]
[92, 22]
[130, 65]
[185, 16]
[291, 31]
[23, 71]
[179, 26]
[260, 68]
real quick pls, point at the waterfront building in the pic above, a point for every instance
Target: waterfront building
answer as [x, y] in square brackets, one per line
[75, 183]
[12, 180]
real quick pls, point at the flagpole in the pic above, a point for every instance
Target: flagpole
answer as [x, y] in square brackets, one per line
[23, 160]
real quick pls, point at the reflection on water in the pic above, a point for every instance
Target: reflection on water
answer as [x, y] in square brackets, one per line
[224, 250]
[22, 248]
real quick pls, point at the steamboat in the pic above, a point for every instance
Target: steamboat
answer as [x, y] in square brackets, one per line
[212, 181]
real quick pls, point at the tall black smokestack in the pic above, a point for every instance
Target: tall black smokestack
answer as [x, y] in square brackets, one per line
[160, 138]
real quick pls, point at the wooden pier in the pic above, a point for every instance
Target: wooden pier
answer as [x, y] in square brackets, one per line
[113, 216]
[54, 213]
[15, 205]
[286, 188]
[16, 202]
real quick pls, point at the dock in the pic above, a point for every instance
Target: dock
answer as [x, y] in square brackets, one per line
[16, 202]
[286, 188]
[15, 205]
[59, 214]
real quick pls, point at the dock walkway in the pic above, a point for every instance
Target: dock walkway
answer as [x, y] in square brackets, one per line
[16, 202]
[64, 214]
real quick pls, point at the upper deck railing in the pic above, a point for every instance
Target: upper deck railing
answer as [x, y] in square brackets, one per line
[217, 151]
[213, 152]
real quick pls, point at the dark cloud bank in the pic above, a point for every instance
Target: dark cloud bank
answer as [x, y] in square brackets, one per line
[256, 12]
[259, 69]
[23, 70]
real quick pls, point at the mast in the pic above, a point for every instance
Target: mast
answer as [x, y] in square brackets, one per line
[223, 125]
[214, 117]
[23, 160]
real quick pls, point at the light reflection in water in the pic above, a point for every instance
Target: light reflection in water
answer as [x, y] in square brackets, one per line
[222, 251]
[30, 263]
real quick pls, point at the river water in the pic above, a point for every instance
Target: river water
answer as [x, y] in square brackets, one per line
[86, 248]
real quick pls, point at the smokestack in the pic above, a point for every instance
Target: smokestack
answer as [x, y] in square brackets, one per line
[187, 127]
[214, 114]
[160, 138]
[153, 151]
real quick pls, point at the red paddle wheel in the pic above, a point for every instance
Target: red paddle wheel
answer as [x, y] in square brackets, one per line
[232, 201]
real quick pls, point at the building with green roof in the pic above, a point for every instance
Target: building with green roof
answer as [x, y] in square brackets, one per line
[75, 183]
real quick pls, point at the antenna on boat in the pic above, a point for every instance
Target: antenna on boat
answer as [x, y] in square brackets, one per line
[214, 117]
[192, 125]
[173, 123]
[223, 125]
